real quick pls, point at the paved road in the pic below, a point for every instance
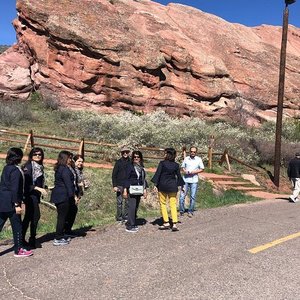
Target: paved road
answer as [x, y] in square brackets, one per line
[207, 259]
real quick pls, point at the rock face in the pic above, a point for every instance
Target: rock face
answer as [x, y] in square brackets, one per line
[15, 81]
[113, 55]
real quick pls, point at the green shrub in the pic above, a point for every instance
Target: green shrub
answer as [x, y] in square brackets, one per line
[51, 103]
[291, 130]
[14, 112]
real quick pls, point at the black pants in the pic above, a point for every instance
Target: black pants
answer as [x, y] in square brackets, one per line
[133, 205]
[16, 224]
[32, 216]
[71, 216]
[62, 212]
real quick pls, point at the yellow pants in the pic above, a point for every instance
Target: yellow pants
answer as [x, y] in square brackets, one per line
[173, 206]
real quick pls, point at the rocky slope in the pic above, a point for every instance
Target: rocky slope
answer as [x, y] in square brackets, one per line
[113, 55]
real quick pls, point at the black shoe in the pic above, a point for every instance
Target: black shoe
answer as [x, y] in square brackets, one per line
[32, 243]
[164, 227]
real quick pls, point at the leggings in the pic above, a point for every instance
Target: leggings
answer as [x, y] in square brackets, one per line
[32, 216]
[16, 224]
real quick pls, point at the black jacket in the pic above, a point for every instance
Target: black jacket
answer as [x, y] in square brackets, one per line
[11, 188]
[119, 171]
[29, 186]
[293, 170]
[64, 185]
[167, 177]
[133, 179]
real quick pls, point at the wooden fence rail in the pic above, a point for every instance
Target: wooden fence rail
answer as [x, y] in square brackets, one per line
[80, 147]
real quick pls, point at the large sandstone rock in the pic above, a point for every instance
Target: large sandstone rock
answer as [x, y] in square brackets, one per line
[112, 55]
[15, 81]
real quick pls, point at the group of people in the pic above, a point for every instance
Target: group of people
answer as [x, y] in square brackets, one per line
[130, 184]
[25, 184]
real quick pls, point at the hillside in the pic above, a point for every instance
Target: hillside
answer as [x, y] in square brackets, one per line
[140, 56]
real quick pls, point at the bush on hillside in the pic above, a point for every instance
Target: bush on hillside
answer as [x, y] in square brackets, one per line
[14, 112]
[265, 151]
[252, 145]
[51, 103]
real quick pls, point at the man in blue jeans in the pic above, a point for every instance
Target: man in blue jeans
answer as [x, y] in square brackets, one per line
[191, 166]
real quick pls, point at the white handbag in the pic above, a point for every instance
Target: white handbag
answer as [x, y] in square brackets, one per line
[136, 190]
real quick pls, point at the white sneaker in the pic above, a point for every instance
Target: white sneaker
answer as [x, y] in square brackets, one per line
[293, 200]
[60, 242]
[132, 230]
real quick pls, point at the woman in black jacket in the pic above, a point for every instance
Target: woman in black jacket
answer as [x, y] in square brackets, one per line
[33, 189]
[64, 196]
[167, 179]
[11, 197]
[135, 188]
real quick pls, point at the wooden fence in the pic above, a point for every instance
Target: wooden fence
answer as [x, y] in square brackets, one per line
[87, 148]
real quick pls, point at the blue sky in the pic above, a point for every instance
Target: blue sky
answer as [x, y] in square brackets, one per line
[247, 12]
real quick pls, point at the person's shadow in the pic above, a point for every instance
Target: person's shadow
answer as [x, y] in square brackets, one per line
[159, 222]
[80, 232]
[140, 221]
[11, 249]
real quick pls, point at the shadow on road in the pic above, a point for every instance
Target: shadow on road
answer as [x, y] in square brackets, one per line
[80, 232]
[141, 221]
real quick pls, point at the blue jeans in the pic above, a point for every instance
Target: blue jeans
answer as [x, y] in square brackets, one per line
[192, 187]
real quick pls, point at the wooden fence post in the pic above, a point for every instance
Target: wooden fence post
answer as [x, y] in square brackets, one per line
[27, 142]
[224, 158]
[81, 148]
[209, 155]
[31, 139]
[227, 161]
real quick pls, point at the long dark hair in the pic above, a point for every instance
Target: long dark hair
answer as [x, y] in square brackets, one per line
[77, 156]
[139, 153]
[62, 159]
[36, 150]
[170, 154]
[14, 156]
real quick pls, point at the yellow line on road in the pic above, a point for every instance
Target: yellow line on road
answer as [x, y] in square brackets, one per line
[274, 243]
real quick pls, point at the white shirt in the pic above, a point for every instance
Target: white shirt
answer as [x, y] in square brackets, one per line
[192, 164]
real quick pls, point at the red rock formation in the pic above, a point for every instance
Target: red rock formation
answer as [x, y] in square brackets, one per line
[15, 81]
[111, 55]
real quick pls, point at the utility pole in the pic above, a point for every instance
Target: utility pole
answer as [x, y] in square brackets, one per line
[277, 155]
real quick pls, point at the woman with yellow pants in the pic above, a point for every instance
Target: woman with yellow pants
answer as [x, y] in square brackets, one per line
[167, 179]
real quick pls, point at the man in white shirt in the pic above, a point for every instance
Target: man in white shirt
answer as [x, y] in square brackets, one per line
[191, 166]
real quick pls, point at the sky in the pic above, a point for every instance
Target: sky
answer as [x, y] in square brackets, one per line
[247, 12]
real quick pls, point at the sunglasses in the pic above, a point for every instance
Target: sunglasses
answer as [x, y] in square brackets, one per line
[136, 156]
[36, 154]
